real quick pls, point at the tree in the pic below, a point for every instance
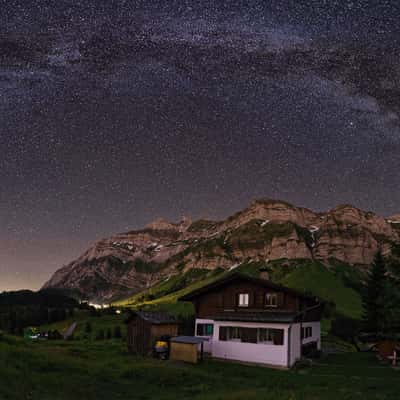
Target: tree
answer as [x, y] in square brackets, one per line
[374, 301]
[88, 327]
[396, 250]
[100, 335]
[346, 328]
[117, 332]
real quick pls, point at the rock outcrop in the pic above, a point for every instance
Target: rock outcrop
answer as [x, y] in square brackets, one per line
[267, 230]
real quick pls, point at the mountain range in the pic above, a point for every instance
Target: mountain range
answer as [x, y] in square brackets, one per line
[267, 230]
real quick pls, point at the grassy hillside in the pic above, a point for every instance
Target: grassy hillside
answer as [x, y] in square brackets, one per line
[318, 280]
[164, 295]
[97, 323]
[337, 284]
[104, 371]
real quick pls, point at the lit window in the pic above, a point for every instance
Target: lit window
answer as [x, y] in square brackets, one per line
[271, 300]
[243, 300]
[205, 329]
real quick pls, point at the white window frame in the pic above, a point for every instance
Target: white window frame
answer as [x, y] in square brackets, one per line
[243, 300]
[236, 337]
[270, 336]
[268, 298]
[306, 330]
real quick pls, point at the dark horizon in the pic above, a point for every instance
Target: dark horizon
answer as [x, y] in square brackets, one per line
[115, 113]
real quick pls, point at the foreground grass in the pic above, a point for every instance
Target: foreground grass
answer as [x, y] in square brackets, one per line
[104, 370]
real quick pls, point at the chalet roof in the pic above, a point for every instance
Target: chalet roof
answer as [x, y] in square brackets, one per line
[236, 276]
[154, 317]
[263, 316]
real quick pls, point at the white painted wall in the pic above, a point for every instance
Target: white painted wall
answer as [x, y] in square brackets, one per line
[207, 346]
[251, 352]
[316, 333]
[257, 352]
[295, 343]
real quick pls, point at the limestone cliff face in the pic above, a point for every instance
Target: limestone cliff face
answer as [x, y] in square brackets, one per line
[127, 263]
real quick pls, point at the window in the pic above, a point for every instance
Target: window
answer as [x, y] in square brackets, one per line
[251, 335]
[306, 332]
[248, 335]
[265, 335]
[205, 329]
[234, 334]
[271, 300]
[243, 300]
[270, 336]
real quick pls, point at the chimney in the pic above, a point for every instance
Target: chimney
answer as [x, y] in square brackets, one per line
[264, 273]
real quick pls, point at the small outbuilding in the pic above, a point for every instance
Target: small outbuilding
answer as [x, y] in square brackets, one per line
[186, 348]
[389, 350]
[145, 328]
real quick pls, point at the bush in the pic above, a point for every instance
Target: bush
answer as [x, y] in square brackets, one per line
[345, 328]
[100, 335]
[117, 332]
[88, 327]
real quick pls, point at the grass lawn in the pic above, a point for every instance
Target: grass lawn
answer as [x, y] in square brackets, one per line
[104, 322]
[104, 370]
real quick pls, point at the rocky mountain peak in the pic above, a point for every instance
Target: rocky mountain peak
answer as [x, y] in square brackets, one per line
[161, 224]
[394, 219]
[266, 230]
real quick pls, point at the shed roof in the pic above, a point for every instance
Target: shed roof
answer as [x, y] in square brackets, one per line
[189, 339]
[154, 317]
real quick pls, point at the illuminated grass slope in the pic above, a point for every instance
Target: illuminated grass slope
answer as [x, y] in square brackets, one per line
[330, 284]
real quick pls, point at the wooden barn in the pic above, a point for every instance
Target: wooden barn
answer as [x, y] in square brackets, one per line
[389, 350]
[145, 328]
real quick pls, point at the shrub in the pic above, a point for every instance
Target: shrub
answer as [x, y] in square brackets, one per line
[117, 332]
[100, 335]
[345, 328]
[88, 327]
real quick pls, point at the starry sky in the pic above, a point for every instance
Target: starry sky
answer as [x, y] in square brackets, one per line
[113, 113]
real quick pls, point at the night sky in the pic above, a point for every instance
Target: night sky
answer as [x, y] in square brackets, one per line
[113, 113]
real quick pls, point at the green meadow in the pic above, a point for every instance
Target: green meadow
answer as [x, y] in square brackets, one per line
[96, 370]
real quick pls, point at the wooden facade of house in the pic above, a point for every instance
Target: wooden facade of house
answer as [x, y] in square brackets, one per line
[144, 329]
[224, 297]
[255, 320]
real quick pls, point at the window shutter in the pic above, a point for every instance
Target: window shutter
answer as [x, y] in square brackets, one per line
[278, 337]
[223, 333]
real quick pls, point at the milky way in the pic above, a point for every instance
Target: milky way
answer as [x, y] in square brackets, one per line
[113, 113]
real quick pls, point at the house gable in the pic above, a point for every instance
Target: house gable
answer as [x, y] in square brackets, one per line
[242, 294]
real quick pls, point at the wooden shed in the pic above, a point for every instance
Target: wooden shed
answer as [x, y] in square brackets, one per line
[389, 350]
[145, 328]
[186, 348]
